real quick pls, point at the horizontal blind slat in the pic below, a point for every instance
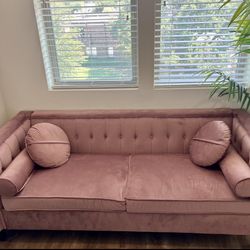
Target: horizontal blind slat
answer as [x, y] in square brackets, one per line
[211, 63]
[185, 35]
[173, 3]
[197, 53]
[160, 62]
[86, 6]
[196, 41]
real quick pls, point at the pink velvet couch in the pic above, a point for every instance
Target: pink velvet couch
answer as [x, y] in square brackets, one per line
[129, 171]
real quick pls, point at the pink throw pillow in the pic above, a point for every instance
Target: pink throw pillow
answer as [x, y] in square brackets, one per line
[210, 143]
[47, 145]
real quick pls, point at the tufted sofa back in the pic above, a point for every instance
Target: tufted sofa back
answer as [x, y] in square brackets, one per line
[131, 132]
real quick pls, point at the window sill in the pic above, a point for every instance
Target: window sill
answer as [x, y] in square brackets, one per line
[92, 88]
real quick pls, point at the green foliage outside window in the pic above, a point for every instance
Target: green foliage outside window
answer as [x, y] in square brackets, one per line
[76, 58]
[224, 85]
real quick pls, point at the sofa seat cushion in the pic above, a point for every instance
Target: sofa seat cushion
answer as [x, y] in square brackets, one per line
[85, 182]
[173, 184]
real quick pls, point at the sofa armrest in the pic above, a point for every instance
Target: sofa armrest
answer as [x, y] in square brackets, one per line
[12, 137]
[236, 172]
[14, 178]
[10, 126]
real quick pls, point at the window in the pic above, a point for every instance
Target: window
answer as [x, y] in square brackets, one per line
[88, 43]
[111, 51]
[193, 35]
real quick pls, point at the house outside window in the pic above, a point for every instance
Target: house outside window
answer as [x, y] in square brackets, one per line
[88, 43]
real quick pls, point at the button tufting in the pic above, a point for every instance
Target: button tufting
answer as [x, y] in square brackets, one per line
[135, 136]
[120, 136]
[105, 136]
[91, 136]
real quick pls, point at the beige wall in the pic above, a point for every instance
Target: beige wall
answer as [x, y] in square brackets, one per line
[3, 115]
[23, 78]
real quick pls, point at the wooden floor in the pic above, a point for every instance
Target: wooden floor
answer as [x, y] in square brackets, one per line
[104, 240]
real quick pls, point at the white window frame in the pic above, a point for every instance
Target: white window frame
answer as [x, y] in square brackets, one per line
[50, 63]
[189, 84]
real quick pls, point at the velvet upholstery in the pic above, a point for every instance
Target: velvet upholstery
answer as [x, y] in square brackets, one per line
[2, 221]
[12, 135]
[47, 145]
[118, 177]
[173, 184]
[236, 172]
[85, 182]
[210, 143]
[108, 114]
[122, 221]
[131, 132]
[14, 178]
[241, 139]
[13, 145]
[10, 126]
[243, 117]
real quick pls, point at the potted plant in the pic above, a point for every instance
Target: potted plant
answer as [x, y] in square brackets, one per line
[224, 85]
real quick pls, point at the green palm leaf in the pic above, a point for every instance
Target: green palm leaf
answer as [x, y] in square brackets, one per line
[225, 3]
[246, 96]
[224, 85]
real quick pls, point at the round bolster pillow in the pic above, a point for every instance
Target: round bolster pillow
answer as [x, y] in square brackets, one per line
[14, 178]
[47, 145]
[210, 143]
[237, 173]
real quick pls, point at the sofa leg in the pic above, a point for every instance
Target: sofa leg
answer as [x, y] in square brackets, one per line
[6, 235]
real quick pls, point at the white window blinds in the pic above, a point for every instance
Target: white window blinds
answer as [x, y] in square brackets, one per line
[193, 35]
[88, 43]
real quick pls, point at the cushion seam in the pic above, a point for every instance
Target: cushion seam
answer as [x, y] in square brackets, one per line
[127, 182]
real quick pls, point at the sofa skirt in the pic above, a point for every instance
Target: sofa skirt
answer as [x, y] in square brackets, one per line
[123, 221]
